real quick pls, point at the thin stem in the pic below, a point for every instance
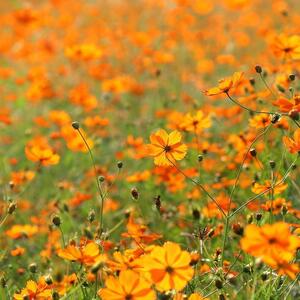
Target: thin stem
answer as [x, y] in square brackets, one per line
[200, 186]
[265, 191]
[266, 85]
[97, 181]
[234, 188]
[249, 109]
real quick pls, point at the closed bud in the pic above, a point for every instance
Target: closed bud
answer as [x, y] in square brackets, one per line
[101, 178]
[252, 81]
[134, 193]
[48, 279]
[91, 216]
[292, 77]
[222, 297]
[200, 158]
[3, 282]
[272, 164]
[96, 267]
[275, 118]
[258, 216]
[56, 220]
[11, 208]
[120, 164]
[218, 284]
[196, 214]
[238, 229]
[33, 268]
[75, 125]
[253, 152]
[294, 114]
[249, 219]
[11, 184]
[55, 295]
[258, 69]
[264, 276]
[284, 210]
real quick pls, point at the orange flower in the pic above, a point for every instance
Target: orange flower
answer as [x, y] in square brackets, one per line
[270, 240]
[86, 253]
[40, 290]
[18, 231]
[293, 144]
[169, 267]
[17, 251]
[282, 266]
[38, 150]
[129, 285]
[260, 121]
[286, 105]
[225, 85]
[196, 123]
[166, 148]
[275, 187]
[287, 47]
[276, 205]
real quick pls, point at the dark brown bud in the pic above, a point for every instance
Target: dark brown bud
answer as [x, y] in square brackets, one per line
[292, 77]
[32, 268]
[294, 114]
[238, 229]
[218, 284]
[252, 81]
[258, 216]
[253, 152]
[272, 164]
[56, 220]
[258, 69]
[196, 214]
[48, 279]
[91, 216]
[120, 164]
[11, 208]
[134, 193]
[75, 125]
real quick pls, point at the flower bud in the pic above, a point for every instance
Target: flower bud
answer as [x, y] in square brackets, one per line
[134, 193]
[120, 164]
[32, 268]
[56, 220]
[11, 208]
[75, 125]
[258, 69]
[253, 152]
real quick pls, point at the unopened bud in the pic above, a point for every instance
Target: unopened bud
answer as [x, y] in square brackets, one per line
[134, 193]
[48, 279]
[292, 77]
[294, 114]
[56, 220]
[101, 178]
[218, 284]
[33, 268]
[258, 69]
[11, 208]
[253, 152]
[272, 164]
[120, 164]
[75, 125]
[91, 216]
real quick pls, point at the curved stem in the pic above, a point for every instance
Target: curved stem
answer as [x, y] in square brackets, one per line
[200, 186]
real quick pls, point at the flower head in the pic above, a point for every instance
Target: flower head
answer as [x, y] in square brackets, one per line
[166, 148]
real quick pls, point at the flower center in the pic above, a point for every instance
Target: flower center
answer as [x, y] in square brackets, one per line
[128, 297]
[169, 269]
[272, 240]
[168, 148]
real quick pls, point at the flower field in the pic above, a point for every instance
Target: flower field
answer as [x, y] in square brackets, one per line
[149, 149]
